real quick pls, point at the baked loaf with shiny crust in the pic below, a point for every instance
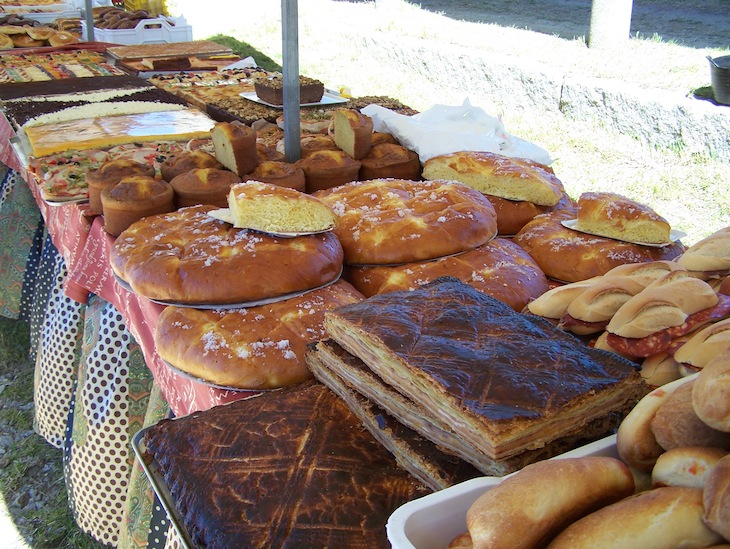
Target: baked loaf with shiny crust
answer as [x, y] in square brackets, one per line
[110, 173]
[208, 186]
[569, 489]
[711, 393]
[615, 216]
[259, 347]
[133, 198]
[393, 221]
[189, 257]
[186, 161]
[273, 209]
[711, 254]
[279, 173]
[390, 160]
[512, 215]
[235, 146]
[499, 268]
[570, 256]
[498, 175]
[325, 169]
[306, 473]
[352, 132]
[654, 519]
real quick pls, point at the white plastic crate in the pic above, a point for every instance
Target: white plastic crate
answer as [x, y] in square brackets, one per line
[160, 30]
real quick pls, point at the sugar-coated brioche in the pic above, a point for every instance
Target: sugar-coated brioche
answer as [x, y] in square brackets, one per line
[270, 208]
[543, 498]
[615, 216]
[709, 254]
[133, 198]
[662, 518]
[203, 186]
[685, 466]
[498, 175]
[711, 393]
[716, 498]
[235, 146]
[394, 221]
[352, 132]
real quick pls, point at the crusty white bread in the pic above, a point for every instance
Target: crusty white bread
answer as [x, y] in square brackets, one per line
[353, 132]
[664, 303]
[498, 175]
[235, 146]
[711, 393]
[645, 273]
[615, 216]
[554, 302]
[273, 209]
[659, 369]
[656, 519]
[709, 254]
[704, 345]
[517, 514]
[685, 466]
[676, 424]
[635, 441]
[716, 498]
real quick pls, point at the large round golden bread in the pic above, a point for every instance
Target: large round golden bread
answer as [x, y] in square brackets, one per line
[498, 175]
[570, 256]
[189, 257]
[393, 221]
[499, 268]
[259, 347]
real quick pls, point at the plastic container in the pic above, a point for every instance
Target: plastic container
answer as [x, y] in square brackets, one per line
[431, 522]
[160, 30]
[720, 78]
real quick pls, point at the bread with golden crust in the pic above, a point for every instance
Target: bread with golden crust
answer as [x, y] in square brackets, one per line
[685, 466]
[110, 173]
[186, 161]
[235, 146]
[570, 256]
[494, 174]
[352, 132]
[544, 498]
[615, 216]
[716, 498]
[390, 160]
[711, 393]
[498, 268]
[208, 186]
[711, 254]
[704, 345]
[260, 347]
[279, 173]
[393, 221]
[189, 257]
[512, 215]
[133, 198]
[324, 169]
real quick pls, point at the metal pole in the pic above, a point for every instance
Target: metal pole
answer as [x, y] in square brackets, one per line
[610, 23]
[89, 15]
[290, 66]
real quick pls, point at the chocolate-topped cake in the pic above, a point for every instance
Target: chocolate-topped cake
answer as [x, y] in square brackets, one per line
[271, 90]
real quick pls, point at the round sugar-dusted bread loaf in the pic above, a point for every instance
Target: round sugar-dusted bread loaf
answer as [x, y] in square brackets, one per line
[189, 257]
[499, 268]
[259, 347]
[393, 221]
[570, 256]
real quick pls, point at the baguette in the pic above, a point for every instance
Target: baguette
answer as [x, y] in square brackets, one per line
[704, 345]
[553, 303]
[543, 498]
[711, 254]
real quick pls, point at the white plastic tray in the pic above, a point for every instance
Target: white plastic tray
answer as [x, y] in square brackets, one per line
[431, 522]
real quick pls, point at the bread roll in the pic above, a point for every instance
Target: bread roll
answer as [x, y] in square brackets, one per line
[273, 209]
[676, 424]
[615, 216]
[110, 173]
[353, 132]
[685, 466]
[554, 303]
[711, 393]
[25, 41]
[716, 498]
[645, 273]
[235, 146]
[705, 345]
[531, 506]
[63, 38]
[498, 175]
[662, 518]
[709, 254]
[186, 161]
[659, 369]
[635, 440]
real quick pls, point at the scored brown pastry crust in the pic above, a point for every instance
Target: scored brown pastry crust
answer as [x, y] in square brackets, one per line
[296, 463]
[499, 268]
[503, 381]
[570, 256]
[189, 257]
[259, 347]
[393, 221]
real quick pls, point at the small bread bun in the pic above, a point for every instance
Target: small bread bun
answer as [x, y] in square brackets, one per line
[553, 303]
[709, 254]
[685, 466]
[711, 393]
[705, 345]
[676, 424]
[110, 173]
[716, 498]
[63, 38]
[656, 519]
[132, 199]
